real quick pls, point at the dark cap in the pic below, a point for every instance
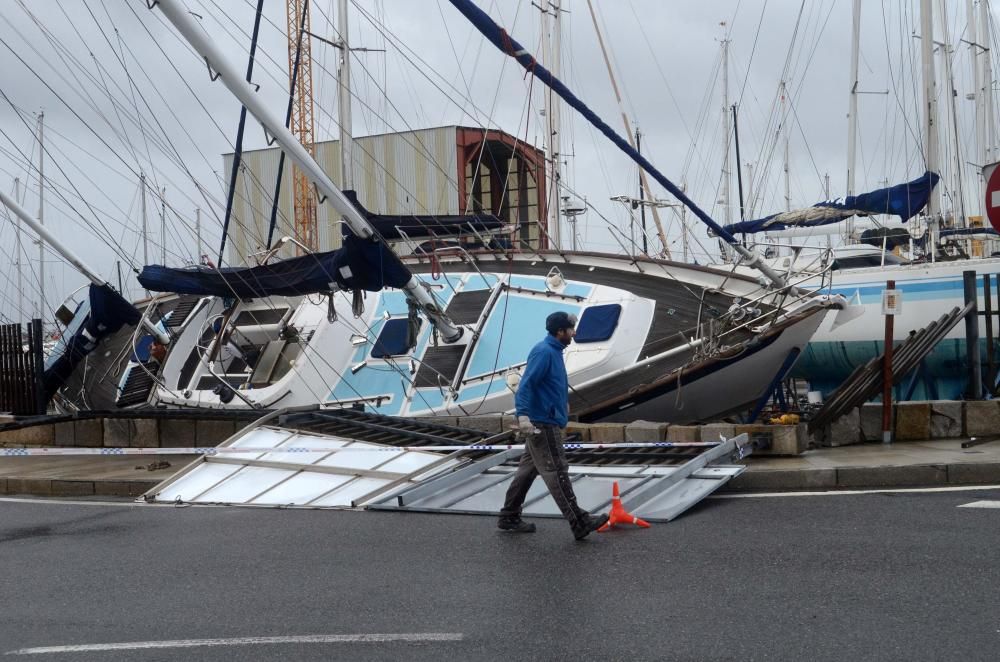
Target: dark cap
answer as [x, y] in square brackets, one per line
[559, 320]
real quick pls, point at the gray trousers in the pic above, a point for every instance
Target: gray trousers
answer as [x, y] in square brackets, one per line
[544, 456]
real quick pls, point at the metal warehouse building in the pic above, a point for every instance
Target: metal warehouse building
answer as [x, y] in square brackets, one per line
[445, 170]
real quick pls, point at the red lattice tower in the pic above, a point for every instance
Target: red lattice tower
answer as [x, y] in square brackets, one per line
[302, 120]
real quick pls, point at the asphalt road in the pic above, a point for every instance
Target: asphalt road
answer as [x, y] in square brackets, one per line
[865, 577]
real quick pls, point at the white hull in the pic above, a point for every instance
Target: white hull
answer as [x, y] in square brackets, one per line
[339, 363]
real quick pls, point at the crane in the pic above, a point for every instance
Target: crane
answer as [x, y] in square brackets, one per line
[302, 118]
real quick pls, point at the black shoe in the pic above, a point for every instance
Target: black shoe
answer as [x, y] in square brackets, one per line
[588, 526]
[515, 525]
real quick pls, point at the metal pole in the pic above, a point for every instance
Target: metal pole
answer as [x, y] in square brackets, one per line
[642, 196]
[344, 101]
[41, 213]
[145, 229]
[203, 44]
[197, 232]
[930, 109]
[852, 109]
[986, 30]
[554, 118]
[727, 175]
[949, 77]
[163, 226]
[238, 147]
[975, 390]
[739, 171]
[628, 128]
[20, 255]
[976, 54]
[684, 227]
[784, 128]
[47, 236]
[887, 375]
[118, 266]
[988, 305]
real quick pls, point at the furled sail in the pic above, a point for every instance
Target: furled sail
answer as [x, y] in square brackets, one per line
[903, 200]
[106, 312]
[417, 226]
[361, 264]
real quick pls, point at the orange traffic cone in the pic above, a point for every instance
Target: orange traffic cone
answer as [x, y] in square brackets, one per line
[619, 515]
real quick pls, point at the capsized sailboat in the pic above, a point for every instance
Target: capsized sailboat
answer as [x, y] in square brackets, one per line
[450, 334]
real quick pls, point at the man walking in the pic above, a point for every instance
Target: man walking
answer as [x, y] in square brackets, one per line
[542, 407]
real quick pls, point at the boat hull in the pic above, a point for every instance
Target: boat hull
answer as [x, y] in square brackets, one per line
[928, 291]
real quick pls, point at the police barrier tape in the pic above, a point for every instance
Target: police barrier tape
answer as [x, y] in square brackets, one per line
[42, 450]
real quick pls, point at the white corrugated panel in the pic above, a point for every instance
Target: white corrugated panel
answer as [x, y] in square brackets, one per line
[304, 477]
[412, 172]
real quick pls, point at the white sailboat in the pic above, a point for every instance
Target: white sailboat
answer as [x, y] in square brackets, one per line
[931, 282]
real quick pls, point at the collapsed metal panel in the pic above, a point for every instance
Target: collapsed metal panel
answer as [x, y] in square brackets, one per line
[866, 381]
[324, 478]
[654, 493]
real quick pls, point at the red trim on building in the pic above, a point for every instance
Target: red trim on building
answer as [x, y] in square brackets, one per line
[470, 142]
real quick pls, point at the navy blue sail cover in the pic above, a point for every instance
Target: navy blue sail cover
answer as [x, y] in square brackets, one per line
[421, 226]
[361, 264]
[104, 313]
[903, 200]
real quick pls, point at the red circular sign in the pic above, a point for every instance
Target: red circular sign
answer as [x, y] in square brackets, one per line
[993, 199]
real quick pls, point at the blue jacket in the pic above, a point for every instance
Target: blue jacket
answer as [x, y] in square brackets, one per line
[543, 394]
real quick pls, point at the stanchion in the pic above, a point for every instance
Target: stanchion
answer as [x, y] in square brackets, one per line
[891, 305]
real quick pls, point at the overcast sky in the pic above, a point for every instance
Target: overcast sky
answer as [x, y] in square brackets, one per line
[122, 95]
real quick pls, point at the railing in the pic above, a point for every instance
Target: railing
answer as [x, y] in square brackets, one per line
[21, 365]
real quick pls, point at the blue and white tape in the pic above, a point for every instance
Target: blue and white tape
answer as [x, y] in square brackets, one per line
[254, 450]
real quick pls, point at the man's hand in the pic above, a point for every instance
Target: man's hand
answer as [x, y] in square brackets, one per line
[525, 426]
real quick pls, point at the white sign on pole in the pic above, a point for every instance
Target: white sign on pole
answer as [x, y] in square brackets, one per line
[892, 302]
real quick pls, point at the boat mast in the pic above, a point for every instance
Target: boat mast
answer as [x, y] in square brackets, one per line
[202, 43]
[852, 111]
[41, 214]
[684, 227]
[46, 236]
[986, 30]
[975, 52]
[145, 229]
[643, 181]
[726, 133]
[197, 233]
[552, 45]
[784, 127]
[957, 184]
[739, 169]
[18, 248]
[642, 196]
[163, 226]
[504, 42]
[930, 116]
[344, 101]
